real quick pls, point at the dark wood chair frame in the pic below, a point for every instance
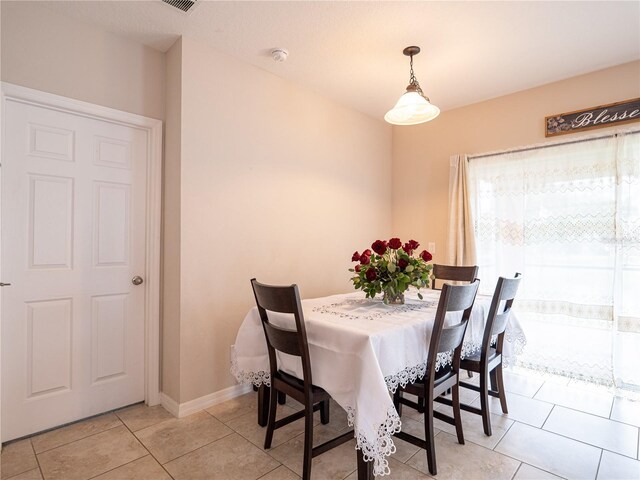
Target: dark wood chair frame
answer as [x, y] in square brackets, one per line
[434, 384]
[453, 273]
[286, 299]
[488, 364]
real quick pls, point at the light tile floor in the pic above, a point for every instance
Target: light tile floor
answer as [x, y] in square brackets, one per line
[554, 429]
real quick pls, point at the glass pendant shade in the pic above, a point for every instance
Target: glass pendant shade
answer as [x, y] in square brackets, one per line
[412, 109]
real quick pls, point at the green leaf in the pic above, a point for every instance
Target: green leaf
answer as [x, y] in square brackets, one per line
[409, 268]
[391, 267]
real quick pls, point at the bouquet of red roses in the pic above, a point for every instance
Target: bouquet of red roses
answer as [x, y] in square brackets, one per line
[391, 269]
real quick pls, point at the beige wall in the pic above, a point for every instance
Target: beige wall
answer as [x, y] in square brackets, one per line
[277, 183]
[171, 225]
[53, 53]
[421, 153]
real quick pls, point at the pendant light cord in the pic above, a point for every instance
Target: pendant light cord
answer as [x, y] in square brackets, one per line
[413, 80]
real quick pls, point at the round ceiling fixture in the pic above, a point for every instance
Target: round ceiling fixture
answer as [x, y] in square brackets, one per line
[279, 54]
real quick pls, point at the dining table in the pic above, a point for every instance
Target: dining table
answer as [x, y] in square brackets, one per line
[361, 350]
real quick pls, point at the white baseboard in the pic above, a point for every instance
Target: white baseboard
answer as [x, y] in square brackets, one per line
[169, 404]
[180, 410]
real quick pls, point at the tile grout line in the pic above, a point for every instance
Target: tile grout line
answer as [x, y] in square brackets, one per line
[503, 436]
[37, 460]
[518, 460]
[114, 468]
[539, 388]
[268, 452]
[77, 439]
[599, 463]
[613, 402]
[196, 449]
[517, 470]
[547, 417]
[598, 416]
[350, 473]
[143, 445]
[273, 469]
[580, 441]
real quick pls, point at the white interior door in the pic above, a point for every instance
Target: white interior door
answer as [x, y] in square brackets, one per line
[73, 237]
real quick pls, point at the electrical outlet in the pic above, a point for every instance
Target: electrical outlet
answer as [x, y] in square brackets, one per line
[432, 248]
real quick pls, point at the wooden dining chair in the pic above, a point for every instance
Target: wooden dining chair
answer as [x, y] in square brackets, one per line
[453, 273]
[436, 382]
[488, 361]
[286, 300]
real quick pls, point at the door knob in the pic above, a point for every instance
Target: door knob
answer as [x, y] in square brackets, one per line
[137, 280]
[4, 284]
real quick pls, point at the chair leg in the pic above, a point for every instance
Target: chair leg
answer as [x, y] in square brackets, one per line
[324, 412]
[455, 403]
[429, 434]
[501, 392]
[396, 401]
[470, 373]
[282, 398]
[273, 394]
[308, 441]
[494, 382]
[263, 405]
[421, 405]
[484, 403]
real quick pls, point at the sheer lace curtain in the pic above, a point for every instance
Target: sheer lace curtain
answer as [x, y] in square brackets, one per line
[568, 217]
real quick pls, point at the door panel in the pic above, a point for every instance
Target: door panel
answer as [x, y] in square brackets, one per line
[73, 237]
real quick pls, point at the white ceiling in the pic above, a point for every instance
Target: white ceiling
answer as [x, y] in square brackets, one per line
[352, 51]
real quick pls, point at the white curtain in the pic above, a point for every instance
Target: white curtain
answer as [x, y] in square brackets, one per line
[568, 218]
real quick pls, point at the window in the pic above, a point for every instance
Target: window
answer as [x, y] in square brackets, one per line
[567, 217]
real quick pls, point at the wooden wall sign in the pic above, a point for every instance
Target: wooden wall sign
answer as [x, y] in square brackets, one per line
[596, 117]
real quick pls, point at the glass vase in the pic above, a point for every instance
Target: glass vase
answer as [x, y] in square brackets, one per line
[390, 298]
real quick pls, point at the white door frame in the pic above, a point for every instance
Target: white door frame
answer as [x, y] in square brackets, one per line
[16, 93]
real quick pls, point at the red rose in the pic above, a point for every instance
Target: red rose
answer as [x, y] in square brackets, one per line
[379, 246]
[366, 253]
[413, 244]
[357, 269]
[426, 256]
[365, 259]
[371, 274]
[395, 243]
[355, 257]
[407, 248]
[402, 263]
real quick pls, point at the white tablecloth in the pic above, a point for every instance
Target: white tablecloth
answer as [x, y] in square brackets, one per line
[360, 350]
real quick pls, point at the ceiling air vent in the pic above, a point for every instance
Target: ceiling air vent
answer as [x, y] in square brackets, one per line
[184, 5]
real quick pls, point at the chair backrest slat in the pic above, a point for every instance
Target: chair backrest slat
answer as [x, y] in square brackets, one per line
[275, 298]
[451, 337]
[500, 323]
[453, 273]
[283, 340]
[498, 316]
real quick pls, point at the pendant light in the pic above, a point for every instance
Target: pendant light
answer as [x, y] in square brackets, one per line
[413, 107]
